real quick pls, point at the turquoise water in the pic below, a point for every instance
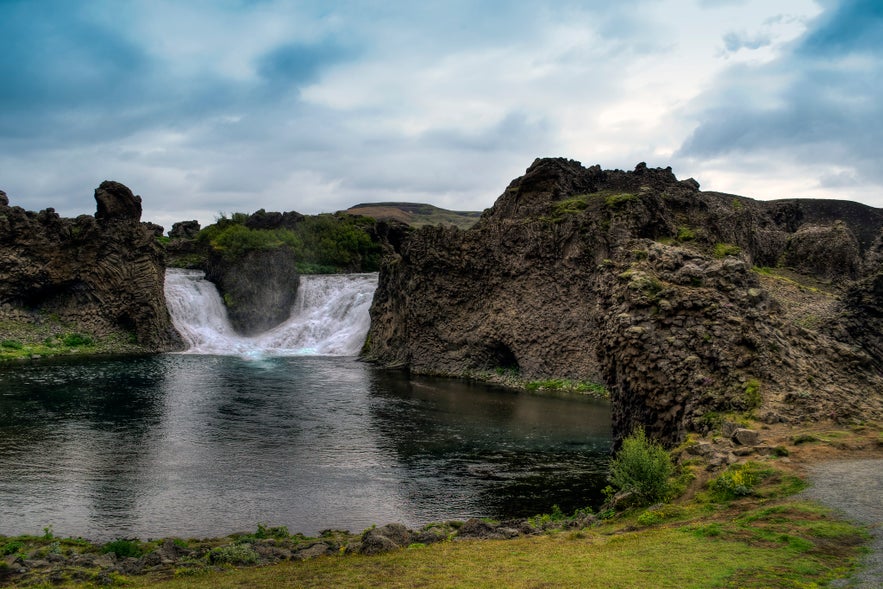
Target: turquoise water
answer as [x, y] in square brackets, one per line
[195, 446]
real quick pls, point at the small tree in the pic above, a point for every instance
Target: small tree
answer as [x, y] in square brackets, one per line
[641, 467]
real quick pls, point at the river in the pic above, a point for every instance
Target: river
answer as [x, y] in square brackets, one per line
[283, 429]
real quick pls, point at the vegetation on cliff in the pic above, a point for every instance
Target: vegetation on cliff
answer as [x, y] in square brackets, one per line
[320, 244]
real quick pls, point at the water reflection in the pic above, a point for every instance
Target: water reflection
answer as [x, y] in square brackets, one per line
[203, 445]
[490, 451]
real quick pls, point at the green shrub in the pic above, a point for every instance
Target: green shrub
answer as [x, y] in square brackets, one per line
[686, 234]
[73, 340]
[278, 532]
[11, 344]
[233, 554]
[321, 244]
[752, 393]
[643, 468]
[11, 547]
[737, 481]
[123, 548]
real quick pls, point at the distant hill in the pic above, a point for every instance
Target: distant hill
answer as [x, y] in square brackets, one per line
[416, 214]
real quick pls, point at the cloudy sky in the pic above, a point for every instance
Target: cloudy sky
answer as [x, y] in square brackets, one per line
[209, 106]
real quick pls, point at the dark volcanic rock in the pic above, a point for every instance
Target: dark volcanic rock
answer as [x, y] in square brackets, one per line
[827, 251]
[259, 288]
[116, 201]
[184, 230]
[643, 282]
[103, 274]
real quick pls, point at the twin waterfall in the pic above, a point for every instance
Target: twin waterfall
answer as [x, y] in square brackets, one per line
[329, 318]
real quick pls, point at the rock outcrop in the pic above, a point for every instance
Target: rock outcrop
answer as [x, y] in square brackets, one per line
[103, 274]
[259, 288]
[687, 304]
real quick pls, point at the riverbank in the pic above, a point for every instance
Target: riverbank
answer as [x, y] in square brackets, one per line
[768, 537]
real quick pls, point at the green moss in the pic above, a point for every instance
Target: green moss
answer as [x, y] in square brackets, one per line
[570, 206]
[752, 397]
[618, 201]
[722, 250]
[685, 234]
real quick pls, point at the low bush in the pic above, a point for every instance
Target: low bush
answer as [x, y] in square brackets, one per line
[76, 339]
[233, 554]
[737, 481]
[123, 548]
[642, 467]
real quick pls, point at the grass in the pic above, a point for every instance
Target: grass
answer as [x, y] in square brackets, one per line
[572, 386]
[772, 548]
[49, 335]
[617, 201]
[763, 539]
[417, 214]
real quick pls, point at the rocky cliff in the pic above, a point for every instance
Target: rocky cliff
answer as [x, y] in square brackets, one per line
[100, 275]
[688, 305]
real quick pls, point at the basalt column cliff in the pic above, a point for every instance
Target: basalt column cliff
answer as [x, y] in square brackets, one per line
[101, 275]
[687, 304]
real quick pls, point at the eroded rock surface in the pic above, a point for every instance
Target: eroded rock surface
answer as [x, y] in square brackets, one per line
[687, 304]
[102, 274]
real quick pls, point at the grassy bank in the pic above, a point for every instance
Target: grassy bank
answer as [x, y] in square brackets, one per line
[745, 526]
[789, 544]
[23, 340]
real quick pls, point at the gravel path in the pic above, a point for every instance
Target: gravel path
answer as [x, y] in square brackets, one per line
[855, 489]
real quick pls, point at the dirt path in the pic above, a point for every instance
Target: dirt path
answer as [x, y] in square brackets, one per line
[855, 489]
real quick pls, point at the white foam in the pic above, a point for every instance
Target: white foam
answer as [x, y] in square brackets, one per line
[329, 317]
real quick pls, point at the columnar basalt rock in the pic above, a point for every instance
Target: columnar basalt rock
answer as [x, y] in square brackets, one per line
[102, 274]
[645, 283]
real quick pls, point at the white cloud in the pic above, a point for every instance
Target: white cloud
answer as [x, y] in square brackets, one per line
[226, 106]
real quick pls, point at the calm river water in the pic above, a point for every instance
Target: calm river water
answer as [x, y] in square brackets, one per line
[200, 445]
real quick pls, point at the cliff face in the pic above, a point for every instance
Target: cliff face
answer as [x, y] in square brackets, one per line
[687, 304]
[102, 274]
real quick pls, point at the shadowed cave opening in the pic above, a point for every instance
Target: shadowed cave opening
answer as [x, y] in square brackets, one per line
[501, 356]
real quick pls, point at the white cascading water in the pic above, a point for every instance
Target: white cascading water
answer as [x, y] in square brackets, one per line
[329, 318]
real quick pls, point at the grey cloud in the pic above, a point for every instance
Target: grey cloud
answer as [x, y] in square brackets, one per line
[733, 41]
[818, 111]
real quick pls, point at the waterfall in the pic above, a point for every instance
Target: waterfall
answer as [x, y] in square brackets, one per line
[329, 317]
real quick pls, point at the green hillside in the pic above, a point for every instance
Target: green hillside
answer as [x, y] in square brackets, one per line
[416, 214]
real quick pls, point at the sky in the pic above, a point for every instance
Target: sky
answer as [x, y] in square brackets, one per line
[209, 107]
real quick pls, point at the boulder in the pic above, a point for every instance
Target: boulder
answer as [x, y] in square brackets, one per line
[384, 539]
[745, 437]
[313, 551]
[185, 230]
[116, 202]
